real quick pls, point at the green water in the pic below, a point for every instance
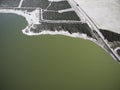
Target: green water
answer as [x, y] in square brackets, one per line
[52, 62]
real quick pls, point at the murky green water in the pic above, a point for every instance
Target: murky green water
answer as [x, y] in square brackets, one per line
[52, 62]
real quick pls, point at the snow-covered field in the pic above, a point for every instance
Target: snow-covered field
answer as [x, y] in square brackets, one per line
[106, 13]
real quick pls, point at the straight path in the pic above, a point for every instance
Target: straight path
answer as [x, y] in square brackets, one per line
[20, 4]
[61, 21]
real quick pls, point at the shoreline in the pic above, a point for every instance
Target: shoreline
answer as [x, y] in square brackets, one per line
[31, 22]
[29, 17]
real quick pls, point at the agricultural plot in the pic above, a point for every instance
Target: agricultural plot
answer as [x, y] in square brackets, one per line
[36, 3]
[9, 3]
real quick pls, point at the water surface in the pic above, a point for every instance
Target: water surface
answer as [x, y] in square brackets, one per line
[52, 62]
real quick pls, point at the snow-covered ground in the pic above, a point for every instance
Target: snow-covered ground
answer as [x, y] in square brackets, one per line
[106, 13]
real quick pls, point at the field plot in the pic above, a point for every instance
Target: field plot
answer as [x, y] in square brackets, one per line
[9, 3]
[36, 3]
[60, 16]
[59, 5]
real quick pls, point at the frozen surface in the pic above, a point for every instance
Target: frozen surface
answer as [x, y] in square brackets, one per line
[106, 13]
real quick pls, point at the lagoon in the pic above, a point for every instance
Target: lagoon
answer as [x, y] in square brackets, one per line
[49, 62]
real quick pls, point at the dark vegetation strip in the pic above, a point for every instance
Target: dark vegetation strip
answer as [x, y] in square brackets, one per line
[71, 28]
[118, 51]
[110, 36]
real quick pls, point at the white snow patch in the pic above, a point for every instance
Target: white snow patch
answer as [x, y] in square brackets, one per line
[106, 13]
